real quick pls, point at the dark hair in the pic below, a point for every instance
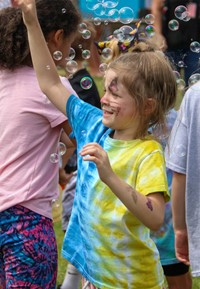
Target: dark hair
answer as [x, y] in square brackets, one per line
[52, 15]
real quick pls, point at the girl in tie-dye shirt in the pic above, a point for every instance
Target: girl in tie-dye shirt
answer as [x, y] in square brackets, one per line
[121, 182]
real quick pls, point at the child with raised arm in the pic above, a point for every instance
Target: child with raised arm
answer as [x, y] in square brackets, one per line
[121, 182]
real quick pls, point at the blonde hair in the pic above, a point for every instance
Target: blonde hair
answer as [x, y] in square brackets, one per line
[146, 73]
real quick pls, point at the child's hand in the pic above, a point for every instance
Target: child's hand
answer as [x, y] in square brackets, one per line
[28, 8]
[95, 153]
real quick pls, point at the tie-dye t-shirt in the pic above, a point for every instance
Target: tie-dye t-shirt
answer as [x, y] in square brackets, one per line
[109, 246]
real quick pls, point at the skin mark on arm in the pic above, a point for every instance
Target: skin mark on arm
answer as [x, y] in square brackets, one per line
[149, 204]
[133, 194]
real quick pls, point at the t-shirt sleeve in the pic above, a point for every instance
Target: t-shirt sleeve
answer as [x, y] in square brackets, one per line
[151, 176]
[176, 149]
[52, 114]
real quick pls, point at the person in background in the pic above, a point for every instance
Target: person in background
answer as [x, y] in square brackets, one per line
[177, 273]
[84, 85]
[30, 128]
[182, 157]
[121, 183]
[177, 40]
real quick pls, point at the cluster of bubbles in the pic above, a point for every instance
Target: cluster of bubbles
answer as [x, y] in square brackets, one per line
[61, 150]
[182, 14]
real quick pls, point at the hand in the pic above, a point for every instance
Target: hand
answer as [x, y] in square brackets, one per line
[28, 8]
[181, 246]
[95, 153]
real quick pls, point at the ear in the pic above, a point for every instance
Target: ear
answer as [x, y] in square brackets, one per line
[56, 38]
[150, 106]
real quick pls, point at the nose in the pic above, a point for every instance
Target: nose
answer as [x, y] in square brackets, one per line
[104, 99]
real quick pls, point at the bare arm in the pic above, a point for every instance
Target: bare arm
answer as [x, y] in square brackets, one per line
[43, 63]
[179, 222]
[148, 209]
[156, 9]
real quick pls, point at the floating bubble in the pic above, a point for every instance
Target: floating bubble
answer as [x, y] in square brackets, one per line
[103, 67]
[80, 46]
[126, 30]
[193, 79]
[61, 148]
[84, 133]
[54, 158]
[195, 46]
[71, 66]
[99, 9]
[86, 82]
[48, 67]
[97, 21]
[57, 55]
[173, 25]
[118, 34]
[149, 19]
[149, 30]
[82, 27]
[180, 84]
[86, 34]
[180, 12]
[181, 63]
[110, 4]
[91, 4]
[64, 10]
[126, 15]
[107, 53]
[56, 203]
[113, 15]
[72, 54]
[86, 54]
[180, 150]
[187, 17]
[105, 22]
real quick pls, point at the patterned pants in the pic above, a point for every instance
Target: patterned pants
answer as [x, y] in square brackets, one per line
[28, 251]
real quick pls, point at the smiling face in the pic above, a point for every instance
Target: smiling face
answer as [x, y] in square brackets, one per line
[119, 109]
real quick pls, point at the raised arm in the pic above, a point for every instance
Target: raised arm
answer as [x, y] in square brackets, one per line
[44, 66]
[156, 9]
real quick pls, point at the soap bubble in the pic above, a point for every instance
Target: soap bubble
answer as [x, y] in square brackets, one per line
[149, 19]
[180, 150]
[195, 46]
[57, 55]
[54, 158]
[86, 82]
[180, 12]
[82, 27]
[107, 53]
[72, 54]
[86, 54]
[86, 34]
[71, 66]
[99, 9]
[173, 25]
[103, 67]
[97, 21]
[61, 148]
[126, 15]
[149, 30]
[110, 4]
[193, 79]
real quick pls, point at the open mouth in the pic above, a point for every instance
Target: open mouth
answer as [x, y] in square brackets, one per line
[110, 110]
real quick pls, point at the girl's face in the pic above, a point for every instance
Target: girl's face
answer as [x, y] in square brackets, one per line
[119, 109]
